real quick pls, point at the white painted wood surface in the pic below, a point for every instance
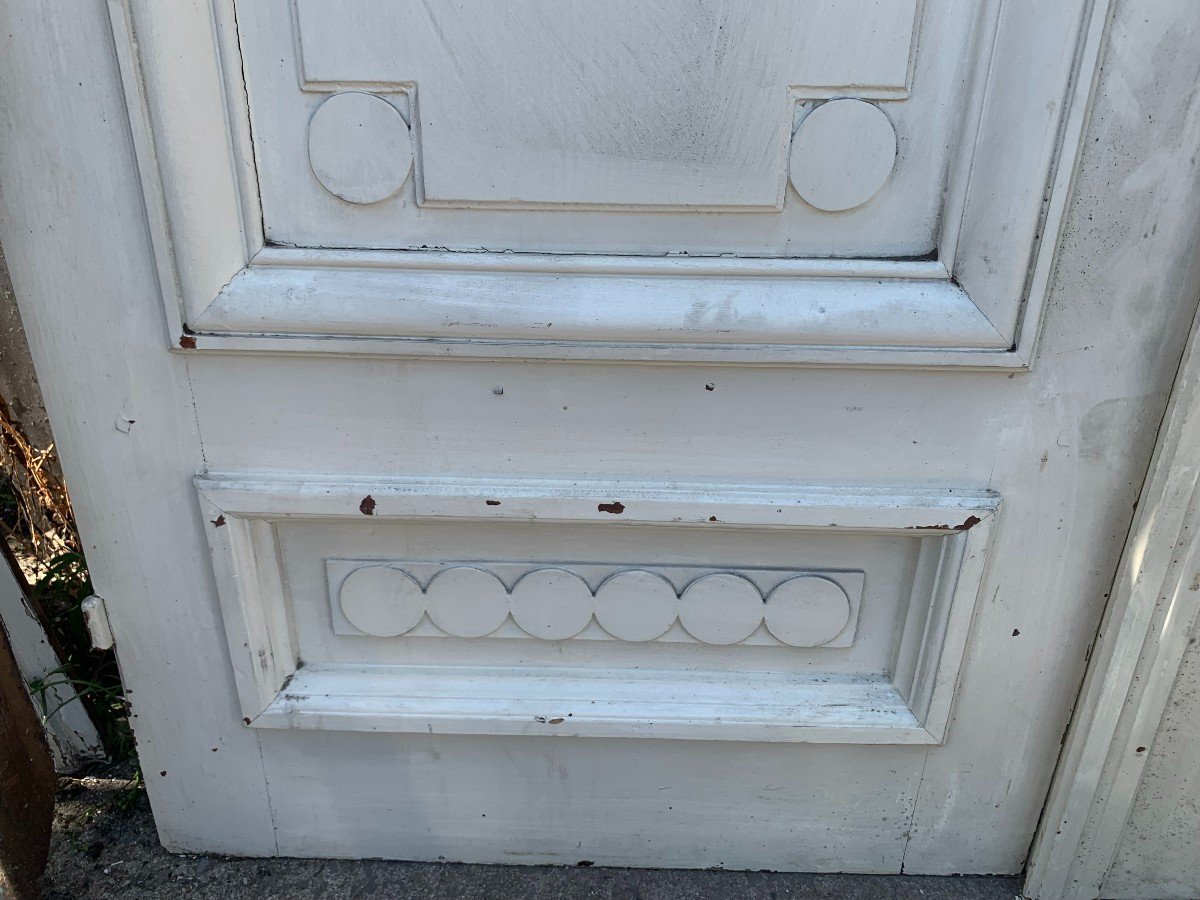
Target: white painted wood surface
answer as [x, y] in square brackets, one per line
[1147, 627]
[347, 764]
[574, 703]
[359, 147]
[603, 308]
[1004, 83]
[842, 154]
[472, 599]
[287, 680]
[555, 104]
[69, 730]
[1156, 856]
[132, 499]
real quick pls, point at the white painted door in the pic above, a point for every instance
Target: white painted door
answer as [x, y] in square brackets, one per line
[613, 432]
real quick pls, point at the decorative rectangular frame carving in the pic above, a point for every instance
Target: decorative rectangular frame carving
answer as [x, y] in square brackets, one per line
[912, 706]
[977, 305]
[506, 573]
[797, 91]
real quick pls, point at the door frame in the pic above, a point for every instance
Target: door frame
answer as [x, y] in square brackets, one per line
[1151, 614]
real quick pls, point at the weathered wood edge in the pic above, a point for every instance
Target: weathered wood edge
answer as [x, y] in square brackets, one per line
[1133, 664]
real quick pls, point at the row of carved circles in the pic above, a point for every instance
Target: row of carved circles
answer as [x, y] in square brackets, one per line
[631, 605]
[360, 149]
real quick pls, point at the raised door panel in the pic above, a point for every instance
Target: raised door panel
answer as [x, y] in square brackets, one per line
[769, 183]
[606, 129]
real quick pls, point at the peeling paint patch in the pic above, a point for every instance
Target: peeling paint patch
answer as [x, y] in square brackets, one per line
[968, 523]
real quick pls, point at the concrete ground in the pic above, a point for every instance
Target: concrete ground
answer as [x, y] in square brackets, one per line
[104, 846]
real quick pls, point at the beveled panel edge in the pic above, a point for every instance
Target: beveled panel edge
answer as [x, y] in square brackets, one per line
[983, 223]
[561, 702]
[695, 504]
[487, 305]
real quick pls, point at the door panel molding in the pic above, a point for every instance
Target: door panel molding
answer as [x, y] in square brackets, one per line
[977, 305]
[908, 702]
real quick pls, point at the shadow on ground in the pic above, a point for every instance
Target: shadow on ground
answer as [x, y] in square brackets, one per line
[104, 846]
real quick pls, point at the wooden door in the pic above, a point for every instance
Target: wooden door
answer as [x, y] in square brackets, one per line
[635, 433]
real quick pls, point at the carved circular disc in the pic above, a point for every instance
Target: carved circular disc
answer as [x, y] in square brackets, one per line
[359, 147]
[842, 154]
[381, 601]
[807, 611]
[721, 609]
[551, 604]
[636, 605]
[466, 602]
